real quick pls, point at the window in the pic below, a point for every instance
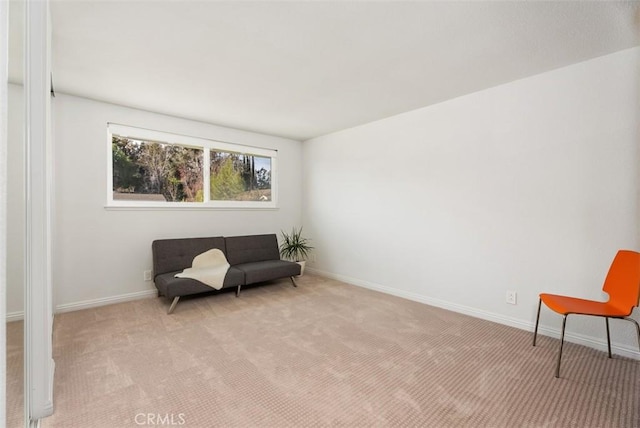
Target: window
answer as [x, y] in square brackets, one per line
[157, 169]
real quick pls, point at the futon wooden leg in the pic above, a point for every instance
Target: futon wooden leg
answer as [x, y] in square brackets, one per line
[535, 331]
[238, 291]
[564, 323]
[293, 281]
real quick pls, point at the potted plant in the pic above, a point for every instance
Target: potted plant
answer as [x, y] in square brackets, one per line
[295, 247]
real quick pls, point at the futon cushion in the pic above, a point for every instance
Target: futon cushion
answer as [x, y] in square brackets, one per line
[170, 255]
[253, 248]
[268, 270]
[171, 287]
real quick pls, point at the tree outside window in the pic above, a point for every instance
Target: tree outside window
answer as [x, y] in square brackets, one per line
[144, 170]
[239, 177]
[155, 169]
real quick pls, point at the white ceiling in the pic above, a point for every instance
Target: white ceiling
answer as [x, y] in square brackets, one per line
[301, 69]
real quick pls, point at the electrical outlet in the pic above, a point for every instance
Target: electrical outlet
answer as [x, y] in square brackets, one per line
[511, 297]
[147, 275]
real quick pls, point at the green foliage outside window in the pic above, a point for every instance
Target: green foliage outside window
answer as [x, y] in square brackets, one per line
[239, 177]
[227, 183]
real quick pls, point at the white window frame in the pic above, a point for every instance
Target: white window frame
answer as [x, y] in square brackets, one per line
[206, 145]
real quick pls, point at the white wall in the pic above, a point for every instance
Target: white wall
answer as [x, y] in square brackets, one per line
[100, 254]
[530, 186]
[15, 204]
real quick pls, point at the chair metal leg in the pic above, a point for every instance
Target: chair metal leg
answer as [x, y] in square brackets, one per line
[564, 323]
[608, 336]
[173, 305]
[535, 332]
[637, 327]
[293, 281]
[238, 291]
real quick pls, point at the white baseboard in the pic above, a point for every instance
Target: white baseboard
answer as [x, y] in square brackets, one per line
[592, 342]
[94, 303]
[15, 316]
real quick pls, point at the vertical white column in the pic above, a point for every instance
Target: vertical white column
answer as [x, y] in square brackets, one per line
[4, 81]
[39, 365]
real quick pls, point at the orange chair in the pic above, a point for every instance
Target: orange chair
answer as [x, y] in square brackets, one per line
[623, 287]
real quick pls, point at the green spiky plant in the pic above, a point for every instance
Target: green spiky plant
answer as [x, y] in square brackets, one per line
[294, 247]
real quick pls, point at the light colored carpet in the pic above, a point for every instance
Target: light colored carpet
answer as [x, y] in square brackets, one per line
[15, 375]
[324, 354]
